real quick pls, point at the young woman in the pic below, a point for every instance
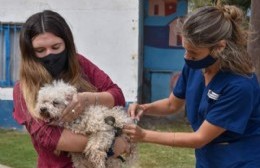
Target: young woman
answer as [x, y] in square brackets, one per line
[221, 93]
[48, 53]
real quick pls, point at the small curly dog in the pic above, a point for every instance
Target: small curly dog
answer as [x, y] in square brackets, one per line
[99, 123]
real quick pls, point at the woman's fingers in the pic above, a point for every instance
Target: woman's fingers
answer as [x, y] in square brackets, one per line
[139, 112]
[130, 130]
[135, 111]
[131, 110]
[135, 132]
[129, 127]
[72, 110]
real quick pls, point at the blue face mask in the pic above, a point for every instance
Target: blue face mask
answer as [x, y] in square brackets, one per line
[55, 64]
[203, 63]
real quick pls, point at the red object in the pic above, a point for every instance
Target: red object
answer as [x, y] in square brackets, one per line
[170, 8]
[156, 9]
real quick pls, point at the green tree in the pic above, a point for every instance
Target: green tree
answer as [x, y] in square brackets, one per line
[243, 4]
[194, 4]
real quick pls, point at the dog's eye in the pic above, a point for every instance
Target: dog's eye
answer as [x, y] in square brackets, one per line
[55, 103]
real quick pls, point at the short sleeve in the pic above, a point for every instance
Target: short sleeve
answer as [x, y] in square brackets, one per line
[180, 88]
[233, 108]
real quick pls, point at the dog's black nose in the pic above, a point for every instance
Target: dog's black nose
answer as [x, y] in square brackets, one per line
[43, 109]
[44, 112]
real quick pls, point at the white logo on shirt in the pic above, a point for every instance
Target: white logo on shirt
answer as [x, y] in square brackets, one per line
[213, 95]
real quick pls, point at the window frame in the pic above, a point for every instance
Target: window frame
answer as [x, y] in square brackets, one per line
[6, 29]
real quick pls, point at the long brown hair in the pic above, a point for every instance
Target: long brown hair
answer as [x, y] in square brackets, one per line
[209, 25]
[32, 74]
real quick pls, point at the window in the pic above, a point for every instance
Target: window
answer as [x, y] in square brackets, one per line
[9, 53]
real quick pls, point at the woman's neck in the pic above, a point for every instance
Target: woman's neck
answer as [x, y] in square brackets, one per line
[210, 72]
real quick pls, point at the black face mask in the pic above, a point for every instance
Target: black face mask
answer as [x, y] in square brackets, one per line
[203, 63]
[55, 64]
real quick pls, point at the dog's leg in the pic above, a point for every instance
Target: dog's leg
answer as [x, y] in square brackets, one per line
[97, 147]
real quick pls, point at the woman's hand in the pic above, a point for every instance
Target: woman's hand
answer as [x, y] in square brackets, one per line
[77, 105]
[135, 111]
[135, 132]
[121, 146]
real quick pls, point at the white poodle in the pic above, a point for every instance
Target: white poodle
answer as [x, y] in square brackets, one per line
[99, 123]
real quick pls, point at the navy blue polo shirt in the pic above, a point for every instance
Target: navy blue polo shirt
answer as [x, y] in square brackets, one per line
[230, 101]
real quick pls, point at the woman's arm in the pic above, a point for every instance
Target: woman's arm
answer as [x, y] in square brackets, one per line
[205, 134]
[82, 100]
[79, 143]
[71, 142]
[109, 92]
[97, 98]
[167, 106]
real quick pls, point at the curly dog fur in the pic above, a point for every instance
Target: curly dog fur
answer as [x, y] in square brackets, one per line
[53, 99]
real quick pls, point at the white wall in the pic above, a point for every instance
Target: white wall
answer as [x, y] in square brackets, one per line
[104, 31]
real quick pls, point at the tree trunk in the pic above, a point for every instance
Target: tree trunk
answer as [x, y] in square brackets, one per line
[254, 37]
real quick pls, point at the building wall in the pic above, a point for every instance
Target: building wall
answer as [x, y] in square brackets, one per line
[106, 32]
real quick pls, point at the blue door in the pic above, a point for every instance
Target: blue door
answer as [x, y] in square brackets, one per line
[162, 47]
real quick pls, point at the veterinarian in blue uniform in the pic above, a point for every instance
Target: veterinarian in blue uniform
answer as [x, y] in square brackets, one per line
[229, 102]
[220, 90]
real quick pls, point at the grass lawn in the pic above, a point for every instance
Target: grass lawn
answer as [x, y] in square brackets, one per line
[17, 151]
[157, 156]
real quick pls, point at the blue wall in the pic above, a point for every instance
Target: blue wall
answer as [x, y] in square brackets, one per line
[6, 118]
[162, 61]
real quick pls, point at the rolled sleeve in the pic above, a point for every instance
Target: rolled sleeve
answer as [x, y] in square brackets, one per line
[102, 81]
